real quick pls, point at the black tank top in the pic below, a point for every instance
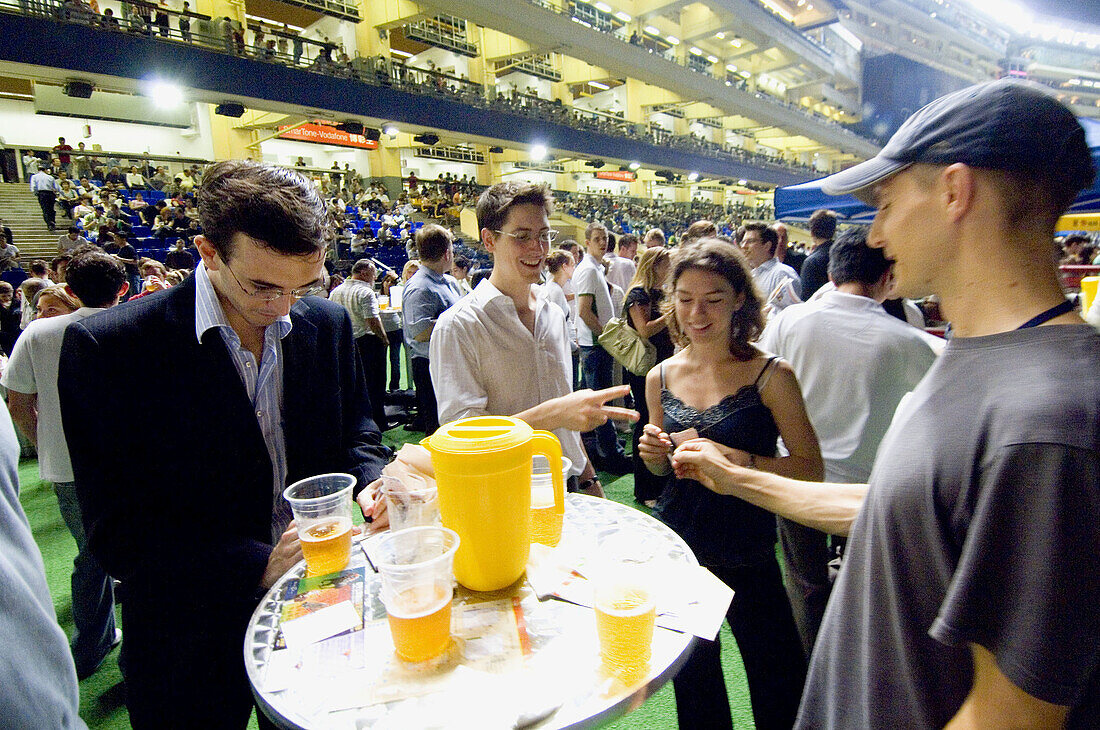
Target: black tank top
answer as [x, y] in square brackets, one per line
[722, 530]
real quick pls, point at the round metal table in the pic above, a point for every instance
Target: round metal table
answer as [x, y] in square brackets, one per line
[542, 669]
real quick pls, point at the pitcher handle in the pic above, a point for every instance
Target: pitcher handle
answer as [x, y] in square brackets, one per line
[547, 444]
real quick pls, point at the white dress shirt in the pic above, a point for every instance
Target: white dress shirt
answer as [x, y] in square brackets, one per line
[854, 363]
[484, 361]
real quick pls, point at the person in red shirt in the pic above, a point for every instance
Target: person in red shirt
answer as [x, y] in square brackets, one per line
[62, 149]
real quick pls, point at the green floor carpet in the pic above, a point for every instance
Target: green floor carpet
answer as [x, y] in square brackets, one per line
[101, 696]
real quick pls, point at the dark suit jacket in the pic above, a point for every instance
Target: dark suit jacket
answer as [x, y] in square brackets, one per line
[172, 472]
[815, 270]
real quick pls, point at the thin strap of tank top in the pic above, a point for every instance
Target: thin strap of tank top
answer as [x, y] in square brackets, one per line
[765, 374]
[662, 376]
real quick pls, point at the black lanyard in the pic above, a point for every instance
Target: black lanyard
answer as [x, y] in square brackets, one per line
[1056, 311]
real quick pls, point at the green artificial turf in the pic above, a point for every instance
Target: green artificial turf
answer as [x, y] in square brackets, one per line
[101, 704]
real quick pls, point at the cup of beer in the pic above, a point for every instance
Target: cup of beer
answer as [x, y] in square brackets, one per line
[410, 502]
[322, 509]
[546, 520]
[417, 569]
[625, 615]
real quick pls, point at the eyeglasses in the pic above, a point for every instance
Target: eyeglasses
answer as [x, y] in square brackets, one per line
[269, 294]
[526, 236]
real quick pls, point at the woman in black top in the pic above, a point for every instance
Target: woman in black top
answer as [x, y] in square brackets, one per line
[643, 308]
[722, 388]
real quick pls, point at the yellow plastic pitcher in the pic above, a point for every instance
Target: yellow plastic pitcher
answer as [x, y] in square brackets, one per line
[1089, 290]
[483, 472]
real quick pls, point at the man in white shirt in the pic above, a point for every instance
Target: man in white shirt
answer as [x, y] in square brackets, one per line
[31, 379]
[620, 266]
[507, 326]
[594, 310]
[45, 188]
[356, 294]
[855, 363]
[759, 243]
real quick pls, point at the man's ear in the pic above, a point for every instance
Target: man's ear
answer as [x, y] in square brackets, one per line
[121, 290]
[958, 189]
[207, 252]
[487, 240]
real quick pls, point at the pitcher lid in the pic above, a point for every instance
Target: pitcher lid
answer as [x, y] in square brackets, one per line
[480, 433]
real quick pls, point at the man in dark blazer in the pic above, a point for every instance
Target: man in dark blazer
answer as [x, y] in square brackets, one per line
[241, 384]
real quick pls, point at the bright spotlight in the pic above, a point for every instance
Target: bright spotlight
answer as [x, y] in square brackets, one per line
[390, 130]
[538, 152]
[692, 177]
[165, 95]
[634, 165]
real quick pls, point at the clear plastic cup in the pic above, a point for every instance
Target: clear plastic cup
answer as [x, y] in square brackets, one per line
[546, 521]
[322, 509]
[410, 502]
[625, 615]
[417, 569]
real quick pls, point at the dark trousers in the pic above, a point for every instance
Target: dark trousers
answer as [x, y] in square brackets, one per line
[425, 395]
[92, 590]
[396, 338]
[46, 200]
[596, 369]
[647, 485]
[806, 558]
[189, 674]
[775, 666]
[372, 353]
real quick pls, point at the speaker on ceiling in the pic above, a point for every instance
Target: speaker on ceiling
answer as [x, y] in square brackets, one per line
[350, 127]
[79, 89]
[230, 109]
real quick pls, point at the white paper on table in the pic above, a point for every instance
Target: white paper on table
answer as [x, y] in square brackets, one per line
[695, 602]
[320, 624]
[281, 667]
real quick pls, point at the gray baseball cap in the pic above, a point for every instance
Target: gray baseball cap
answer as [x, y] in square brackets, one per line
[1006, 124]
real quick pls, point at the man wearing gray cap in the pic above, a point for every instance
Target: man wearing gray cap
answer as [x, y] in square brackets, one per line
[969, 593]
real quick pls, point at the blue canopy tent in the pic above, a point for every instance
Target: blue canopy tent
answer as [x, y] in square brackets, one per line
[798, 202]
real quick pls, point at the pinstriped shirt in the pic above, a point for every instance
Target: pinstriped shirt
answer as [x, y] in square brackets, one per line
[263, 383]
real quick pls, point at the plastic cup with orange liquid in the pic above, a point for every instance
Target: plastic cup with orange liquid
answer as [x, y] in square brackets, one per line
[546, 517]
[322, 509]
[625, 615]
[417, 569]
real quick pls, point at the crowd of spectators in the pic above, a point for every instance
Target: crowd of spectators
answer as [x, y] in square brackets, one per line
[621, 214]
[281, 45]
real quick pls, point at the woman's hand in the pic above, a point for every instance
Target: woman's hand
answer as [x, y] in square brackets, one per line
[654, 446]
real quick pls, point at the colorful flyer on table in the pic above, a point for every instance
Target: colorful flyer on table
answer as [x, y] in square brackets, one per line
[306, 596]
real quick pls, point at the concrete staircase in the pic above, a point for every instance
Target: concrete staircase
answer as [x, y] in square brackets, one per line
[20, 211]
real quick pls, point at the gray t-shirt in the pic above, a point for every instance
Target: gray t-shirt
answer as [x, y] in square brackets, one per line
[980, 526]
[37, 677]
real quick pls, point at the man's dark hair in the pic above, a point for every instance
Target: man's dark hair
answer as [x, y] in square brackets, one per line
[767, 234]
[592, 227]
[823, 224]
[38, 268]
[627, 241]
[60, 259]
[852, 260]
[362, 266]
[493, 205]
[74, 229]
[94, 276]
[461, 262]
[700, 229]
[432, 242]
[276, 207]
[1075, 238]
